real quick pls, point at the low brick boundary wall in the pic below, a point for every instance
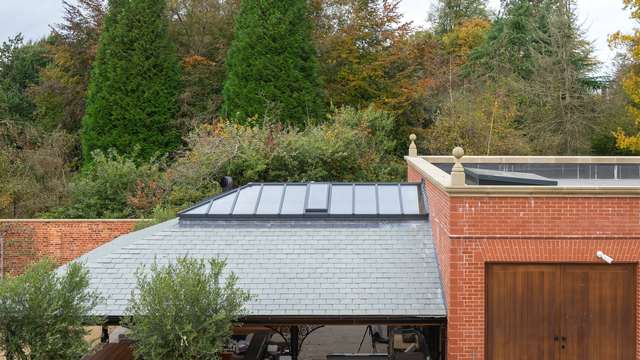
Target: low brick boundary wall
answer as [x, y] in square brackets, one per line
[26, 241]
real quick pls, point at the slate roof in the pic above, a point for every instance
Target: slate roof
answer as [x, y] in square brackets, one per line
[294, 268]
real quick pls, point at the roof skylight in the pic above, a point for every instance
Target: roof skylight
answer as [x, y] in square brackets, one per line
[314, 200]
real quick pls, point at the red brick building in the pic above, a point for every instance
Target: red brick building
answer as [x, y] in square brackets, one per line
[537, 256]
[519, 261]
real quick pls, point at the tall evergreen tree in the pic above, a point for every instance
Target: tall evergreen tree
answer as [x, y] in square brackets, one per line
[512, 43]
[272, 64]
[560, 108]
[447, 14]
[132, 98]
[539, 46]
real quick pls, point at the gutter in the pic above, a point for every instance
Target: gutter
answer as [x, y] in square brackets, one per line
[283, 320]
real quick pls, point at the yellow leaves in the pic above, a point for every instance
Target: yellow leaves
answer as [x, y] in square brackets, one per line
[631, 81]
[631, 86]
[5, 200]
[634, 5]
[629, 142]
[196, 60]
[466, 36]
[625, 142]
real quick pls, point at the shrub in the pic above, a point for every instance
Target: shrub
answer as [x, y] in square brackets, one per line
[34, 169]
[184, 310]
[352, 146]
[42, 313]
[113, 186]
[483, 122]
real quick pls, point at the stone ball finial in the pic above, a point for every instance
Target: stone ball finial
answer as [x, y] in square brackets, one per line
[458, 177]
[458, 152]
[413, 150]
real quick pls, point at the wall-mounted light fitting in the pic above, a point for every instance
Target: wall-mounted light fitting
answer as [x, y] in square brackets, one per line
[604, 257]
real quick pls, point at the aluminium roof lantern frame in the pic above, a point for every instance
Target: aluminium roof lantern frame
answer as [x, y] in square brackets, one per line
[319, 200]
[478, 176]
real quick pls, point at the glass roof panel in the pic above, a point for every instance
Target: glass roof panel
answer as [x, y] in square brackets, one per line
[200, 210]
[223, 205]
[309, 199]
[270, 200]
[247, 198]
[294, 197]
[341, 199]
[389, 199]
[410, 199]
[365, 200]
[318, 198]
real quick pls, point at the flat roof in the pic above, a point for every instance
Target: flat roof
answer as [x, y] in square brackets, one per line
[562, 175]
[585, 174]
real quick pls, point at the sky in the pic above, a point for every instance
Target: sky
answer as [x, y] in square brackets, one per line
[598, 18]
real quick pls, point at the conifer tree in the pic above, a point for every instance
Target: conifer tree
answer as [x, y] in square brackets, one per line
[132, 98]
[447, 14]
[539, 47]
[272, 64]
[512, 43]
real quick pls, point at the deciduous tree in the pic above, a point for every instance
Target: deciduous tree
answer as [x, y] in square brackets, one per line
[631, 81]
[60, 95]
[35, 169]
[20, 65]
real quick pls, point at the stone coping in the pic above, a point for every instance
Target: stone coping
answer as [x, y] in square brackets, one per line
[438, 159]
[424, 166]
[73, 220]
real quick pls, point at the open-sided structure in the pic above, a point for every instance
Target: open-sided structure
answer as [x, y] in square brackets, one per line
[310, 253]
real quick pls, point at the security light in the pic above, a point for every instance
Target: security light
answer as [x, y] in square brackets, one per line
[603, 256]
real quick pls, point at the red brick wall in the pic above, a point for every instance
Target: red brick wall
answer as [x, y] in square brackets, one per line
[472, 231]
[26, 241]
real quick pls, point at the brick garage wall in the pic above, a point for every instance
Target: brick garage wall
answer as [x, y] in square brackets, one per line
[473, 231]
[439, 218]
[26, 241]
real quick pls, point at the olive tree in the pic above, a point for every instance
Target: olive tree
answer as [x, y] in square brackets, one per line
[43, 313]
[184, 310]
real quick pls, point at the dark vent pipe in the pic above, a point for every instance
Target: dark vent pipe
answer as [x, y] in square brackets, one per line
[226, 183]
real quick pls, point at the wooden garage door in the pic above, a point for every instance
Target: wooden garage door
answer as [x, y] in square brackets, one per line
[560, 312]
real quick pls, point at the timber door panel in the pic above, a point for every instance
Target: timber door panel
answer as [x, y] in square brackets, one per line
[598, 312]
[520, 326]
[560, 312]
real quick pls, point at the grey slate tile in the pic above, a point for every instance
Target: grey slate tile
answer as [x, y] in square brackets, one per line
[324, 268]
